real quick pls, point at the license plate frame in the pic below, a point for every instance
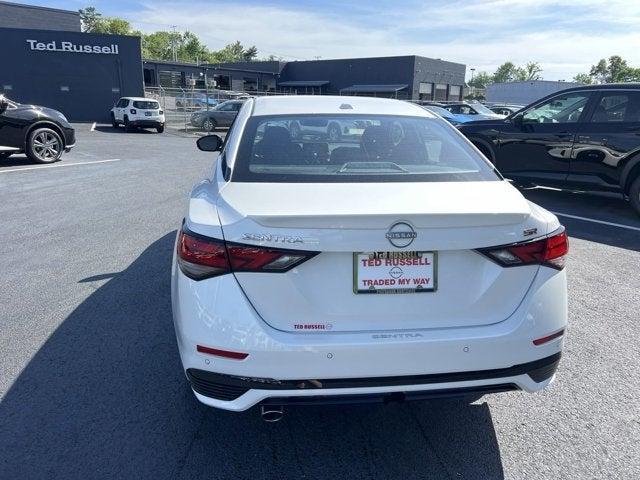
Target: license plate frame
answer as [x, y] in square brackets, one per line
[432, 285]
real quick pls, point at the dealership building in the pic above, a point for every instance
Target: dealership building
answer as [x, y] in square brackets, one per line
[47, 60]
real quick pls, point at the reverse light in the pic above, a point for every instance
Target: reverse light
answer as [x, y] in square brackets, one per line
[202, 257]
[550, 251]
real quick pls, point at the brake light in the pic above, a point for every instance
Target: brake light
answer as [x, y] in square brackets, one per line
[202, 257]
[550, 251]
[160, 112]
[133, 111]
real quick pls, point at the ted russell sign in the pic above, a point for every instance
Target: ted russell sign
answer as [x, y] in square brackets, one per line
[71, 47]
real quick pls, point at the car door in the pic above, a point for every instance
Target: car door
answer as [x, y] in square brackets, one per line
[119, 110]
[536, 144]
[224, 114]
[608, 141]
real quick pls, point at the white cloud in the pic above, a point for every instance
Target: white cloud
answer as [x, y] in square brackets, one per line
[491, 32]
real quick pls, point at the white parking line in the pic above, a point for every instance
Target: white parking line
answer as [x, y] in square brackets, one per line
[593, 220]
[42, 167]
[93, 127]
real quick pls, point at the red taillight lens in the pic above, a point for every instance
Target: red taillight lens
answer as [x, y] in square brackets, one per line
[550, 251]
[202, 257]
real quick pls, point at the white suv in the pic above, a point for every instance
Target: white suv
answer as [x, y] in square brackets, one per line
[134, 112]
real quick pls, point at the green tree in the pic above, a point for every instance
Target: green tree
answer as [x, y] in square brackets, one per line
[89, 19]
[583, 78]
[614, 70]
[234, 52]
[531, 71]
[480, 80]
[507, 72]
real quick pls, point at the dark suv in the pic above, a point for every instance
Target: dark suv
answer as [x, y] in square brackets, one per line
[42, 133]
[583, 138]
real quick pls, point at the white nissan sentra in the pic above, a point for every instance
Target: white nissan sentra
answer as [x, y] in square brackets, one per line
[389, 262]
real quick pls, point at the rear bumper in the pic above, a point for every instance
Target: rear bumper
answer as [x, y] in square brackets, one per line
[242, 392]
[146, 123]
[216, 313]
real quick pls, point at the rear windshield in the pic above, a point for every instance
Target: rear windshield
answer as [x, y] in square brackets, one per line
[358, 148]
[146, 105]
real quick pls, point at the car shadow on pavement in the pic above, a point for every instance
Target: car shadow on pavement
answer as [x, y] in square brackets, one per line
[121, 129]
[603, 207]
[17, 160]
[105, 397]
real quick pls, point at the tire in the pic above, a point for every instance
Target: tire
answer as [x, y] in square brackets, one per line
[160, 129]
[44, 145]
[127, 126]
[114, 124]
[334, 133]
[634, 195]
[209, 125]
[5, 155]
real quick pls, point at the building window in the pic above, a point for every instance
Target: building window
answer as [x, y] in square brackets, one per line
[425, 91]
[454, 92]
[441, 92]
[250, 84]
[149, 77]
[170, 79]
[223, 82]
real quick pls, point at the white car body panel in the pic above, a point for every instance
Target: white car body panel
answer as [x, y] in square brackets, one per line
[482, 316]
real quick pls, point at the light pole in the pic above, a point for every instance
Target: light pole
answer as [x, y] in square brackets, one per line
[473, 70]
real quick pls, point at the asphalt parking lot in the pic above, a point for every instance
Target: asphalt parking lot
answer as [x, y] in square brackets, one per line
[92, 387]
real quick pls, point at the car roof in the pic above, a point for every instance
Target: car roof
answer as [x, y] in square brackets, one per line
[327, 104]
[135, 99]
[604, 86]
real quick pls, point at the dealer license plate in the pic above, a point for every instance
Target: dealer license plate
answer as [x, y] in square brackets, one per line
[394, 272]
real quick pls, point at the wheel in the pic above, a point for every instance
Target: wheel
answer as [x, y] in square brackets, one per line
[127, 125]
[334, 132]
[634, 195]
[294, 130]
[114, 123]
[160, 129]
[44, 146]
[209, 125]
[4, 155]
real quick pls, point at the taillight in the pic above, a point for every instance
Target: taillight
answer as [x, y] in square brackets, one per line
[133, 111]
[160, 112]
[550, 251]
[202, 257]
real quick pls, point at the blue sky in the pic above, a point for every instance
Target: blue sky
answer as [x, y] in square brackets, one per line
[564, 37]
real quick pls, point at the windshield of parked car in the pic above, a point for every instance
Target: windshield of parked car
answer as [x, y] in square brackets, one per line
[355, 148]
[146, 105]
[439, 111]
[481, 109]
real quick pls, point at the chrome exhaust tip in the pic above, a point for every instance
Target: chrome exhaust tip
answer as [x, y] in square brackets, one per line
[271, 414]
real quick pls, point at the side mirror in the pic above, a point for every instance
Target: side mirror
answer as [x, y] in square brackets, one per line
[210, 143]
[3, 105]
